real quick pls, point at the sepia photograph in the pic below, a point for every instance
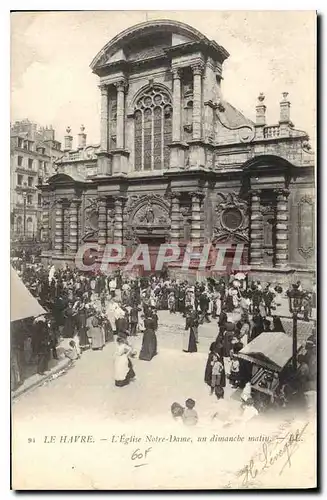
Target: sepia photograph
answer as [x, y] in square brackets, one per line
[163, 303]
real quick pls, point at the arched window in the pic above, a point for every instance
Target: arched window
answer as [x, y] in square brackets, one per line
[153, 130]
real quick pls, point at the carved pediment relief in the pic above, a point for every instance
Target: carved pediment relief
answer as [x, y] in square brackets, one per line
[149, 213]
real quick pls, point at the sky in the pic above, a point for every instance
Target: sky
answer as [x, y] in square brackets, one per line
[51, 52]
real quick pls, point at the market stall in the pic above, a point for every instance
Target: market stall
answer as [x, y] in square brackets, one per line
[23, 309]
[270, 355]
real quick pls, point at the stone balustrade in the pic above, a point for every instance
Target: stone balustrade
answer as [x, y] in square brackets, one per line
[271, 131]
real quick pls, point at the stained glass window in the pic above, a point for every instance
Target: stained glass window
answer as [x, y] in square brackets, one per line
[153, 130]
[147, 139]
[157, 137]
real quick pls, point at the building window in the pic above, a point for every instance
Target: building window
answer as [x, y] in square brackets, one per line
[20, 161]
[30, 181]
[153, 130]
[40, 164]
[19, 179]
[29, 199]
[20, 142]
[30, 163]
[39, 199]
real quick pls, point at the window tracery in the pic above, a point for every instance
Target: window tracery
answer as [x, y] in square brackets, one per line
[153, 130]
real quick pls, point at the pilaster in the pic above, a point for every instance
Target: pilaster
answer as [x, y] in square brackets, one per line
[256, 236]
[281, 257]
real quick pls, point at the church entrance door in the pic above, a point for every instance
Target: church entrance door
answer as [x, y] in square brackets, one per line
[153, 245]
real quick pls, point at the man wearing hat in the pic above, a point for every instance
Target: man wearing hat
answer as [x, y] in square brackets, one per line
[42, 344]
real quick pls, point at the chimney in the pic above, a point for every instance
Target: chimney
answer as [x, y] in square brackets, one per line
[68, 140]
[285, 107]
[82, 138]
[261, 111]
[48, 133]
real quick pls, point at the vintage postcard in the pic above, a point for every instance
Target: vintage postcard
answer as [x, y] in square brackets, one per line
[163, 255]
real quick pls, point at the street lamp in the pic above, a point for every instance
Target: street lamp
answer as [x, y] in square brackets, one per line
[295, 299]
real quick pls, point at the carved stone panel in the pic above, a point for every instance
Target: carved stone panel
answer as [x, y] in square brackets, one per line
[231, 218]
[91, 218]
[306, 221]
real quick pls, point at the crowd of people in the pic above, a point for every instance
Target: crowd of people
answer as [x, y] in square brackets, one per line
[93, 309]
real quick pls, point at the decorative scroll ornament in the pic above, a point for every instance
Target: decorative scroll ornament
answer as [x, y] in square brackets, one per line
[231, 217]
[246, 132]
[91, 218]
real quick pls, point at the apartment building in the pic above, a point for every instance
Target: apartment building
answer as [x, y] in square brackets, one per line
[32, 154]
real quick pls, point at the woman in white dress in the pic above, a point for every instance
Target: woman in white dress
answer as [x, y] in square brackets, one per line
[124, 372]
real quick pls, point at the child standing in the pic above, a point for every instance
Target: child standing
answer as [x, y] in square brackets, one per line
[234, 370]
[171, 303]
[217, 369]
[190, 416]
[133, 319]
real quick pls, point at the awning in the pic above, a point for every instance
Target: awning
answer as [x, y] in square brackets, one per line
[272, 350]
[22, 303]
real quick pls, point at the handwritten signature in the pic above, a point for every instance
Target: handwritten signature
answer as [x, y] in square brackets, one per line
[280, 449]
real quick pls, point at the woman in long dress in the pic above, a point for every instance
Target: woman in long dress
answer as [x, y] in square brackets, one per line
[95, 332]
[149, 342]
[124, 371]
[189, 337]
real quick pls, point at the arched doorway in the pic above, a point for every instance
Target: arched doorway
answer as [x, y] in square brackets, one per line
[147, 223]
[235, 252]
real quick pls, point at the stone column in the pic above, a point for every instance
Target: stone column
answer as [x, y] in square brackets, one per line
[102, 235]
[197, 100]
[104, 118]
[256, 244]
[197, 197]
[177, 105]
[121, 86]
[118, 223]
[73, 227]
[175, 217]
[281, 256]
[59, 227]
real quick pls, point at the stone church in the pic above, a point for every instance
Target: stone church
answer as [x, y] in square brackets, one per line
[177, 163]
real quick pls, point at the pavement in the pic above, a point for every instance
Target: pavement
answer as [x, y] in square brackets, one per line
[170, 376]
[85, 402]
[55, 368]
[170, 336]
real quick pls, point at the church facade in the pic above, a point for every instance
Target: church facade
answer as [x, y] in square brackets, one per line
[177, 163]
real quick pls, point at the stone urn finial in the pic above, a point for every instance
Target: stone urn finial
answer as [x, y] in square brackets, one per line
[68, 130]
[261, 97]
[82, 128]
[285, 94]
